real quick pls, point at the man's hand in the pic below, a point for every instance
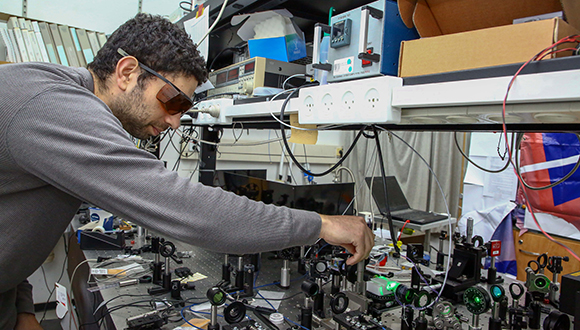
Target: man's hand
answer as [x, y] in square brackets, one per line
[350, 232]
[26, 321]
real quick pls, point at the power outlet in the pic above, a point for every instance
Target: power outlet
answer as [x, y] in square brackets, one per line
[308, 106]
[346, 112]
[348, 101]
[190, 149]
[327, 107]
[372, 100]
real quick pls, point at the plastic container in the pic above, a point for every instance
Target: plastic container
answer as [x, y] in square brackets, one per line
[277, 319]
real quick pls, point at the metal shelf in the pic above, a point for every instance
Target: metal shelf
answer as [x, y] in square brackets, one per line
[538, 101]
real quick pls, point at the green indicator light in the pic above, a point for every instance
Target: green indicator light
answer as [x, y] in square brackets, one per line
[477, 299]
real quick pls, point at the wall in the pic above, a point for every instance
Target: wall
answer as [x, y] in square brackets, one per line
[187, 166]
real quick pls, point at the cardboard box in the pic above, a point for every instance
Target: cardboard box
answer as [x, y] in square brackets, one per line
[481, 48]
[439, 17]
[459, 37]
[286, 44]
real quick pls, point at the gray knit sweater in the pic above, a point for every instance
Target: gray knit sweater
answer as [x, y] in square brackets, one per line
[60, 145]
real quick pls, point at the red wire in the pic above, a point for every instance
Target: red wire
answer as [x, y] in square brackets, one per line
[557, 51]
[401, 233]
[540, 55]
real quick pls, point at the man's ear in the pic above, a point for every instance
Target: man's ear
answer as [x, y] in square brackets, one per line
[127, 72]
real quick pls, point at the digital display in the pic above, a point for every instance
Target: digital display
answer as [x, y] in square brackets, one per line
[233, 74]
[221, 78]
[249, 67]
[337, 29]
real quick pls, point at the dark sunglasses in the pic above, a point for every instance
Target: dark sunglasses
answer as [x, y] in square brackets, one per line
[173, 99]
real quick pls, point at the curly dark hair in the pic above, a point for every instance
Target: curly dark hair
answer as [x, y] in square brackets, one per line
[154, 41]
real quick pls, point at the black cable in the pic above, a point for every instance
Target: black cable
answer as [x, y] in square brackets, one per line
[436, 250]
[286, 298]
[518, 168]
[59, 278]
[387, 207]
[368, 136]
[140, 304]
[44, 277]
[115, 308]
[296, 162]
[185, 139]
[239, 49]
[167, 145]
[186, 3]
[121, 295]
[195, 169]
[474, 164]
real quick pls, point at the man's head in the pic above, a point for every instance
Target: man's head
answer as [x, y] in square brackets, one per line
[128, 85]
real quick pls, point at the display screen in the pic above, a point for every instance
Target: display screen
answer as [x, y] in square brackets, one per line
[337, 29]
[221, 78]
[249, 67]
[233, 74]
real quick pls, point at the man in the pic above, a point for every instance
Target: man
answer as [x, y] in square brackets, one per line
[64, 140]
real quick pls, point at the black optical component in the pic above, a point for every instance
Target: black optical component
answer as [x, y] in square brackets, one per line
[309, 288]
[235, 312]
[339, 303]
[216, 296]
[556, 320]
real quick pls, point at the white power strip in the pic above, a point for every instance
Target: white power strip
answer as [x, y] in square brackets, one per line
[361, 101]
[217, 106]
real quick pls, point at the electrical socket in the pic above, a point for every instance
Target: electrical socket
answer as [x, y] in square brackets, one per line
[327, 106]
[348, 100]
[207, 119]
[372, 100]
[362, 101]
[308, 106]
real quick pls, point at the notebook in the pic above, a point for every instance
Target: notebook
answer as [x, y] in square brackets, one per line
[400, 209]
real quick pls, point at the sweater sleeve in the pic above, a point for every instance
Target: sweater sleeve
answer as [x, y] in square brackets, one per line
[24, 302]
[68, 138]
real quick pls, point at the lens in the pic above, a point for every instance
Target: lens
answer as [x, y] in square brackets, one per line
[496, 291]
[309, 288]
[541, 282]
[173, 101]
[216, 296]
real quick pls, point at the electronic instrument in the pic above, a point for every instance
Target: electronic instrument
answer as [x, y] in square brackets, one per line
[244, 77]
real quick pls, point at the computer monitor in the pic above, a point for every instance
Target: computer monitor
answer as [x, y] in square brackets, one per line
[396, 197]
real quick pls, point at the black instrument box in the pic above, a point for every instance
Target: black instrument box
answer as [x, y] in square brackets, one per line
[570, 293]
